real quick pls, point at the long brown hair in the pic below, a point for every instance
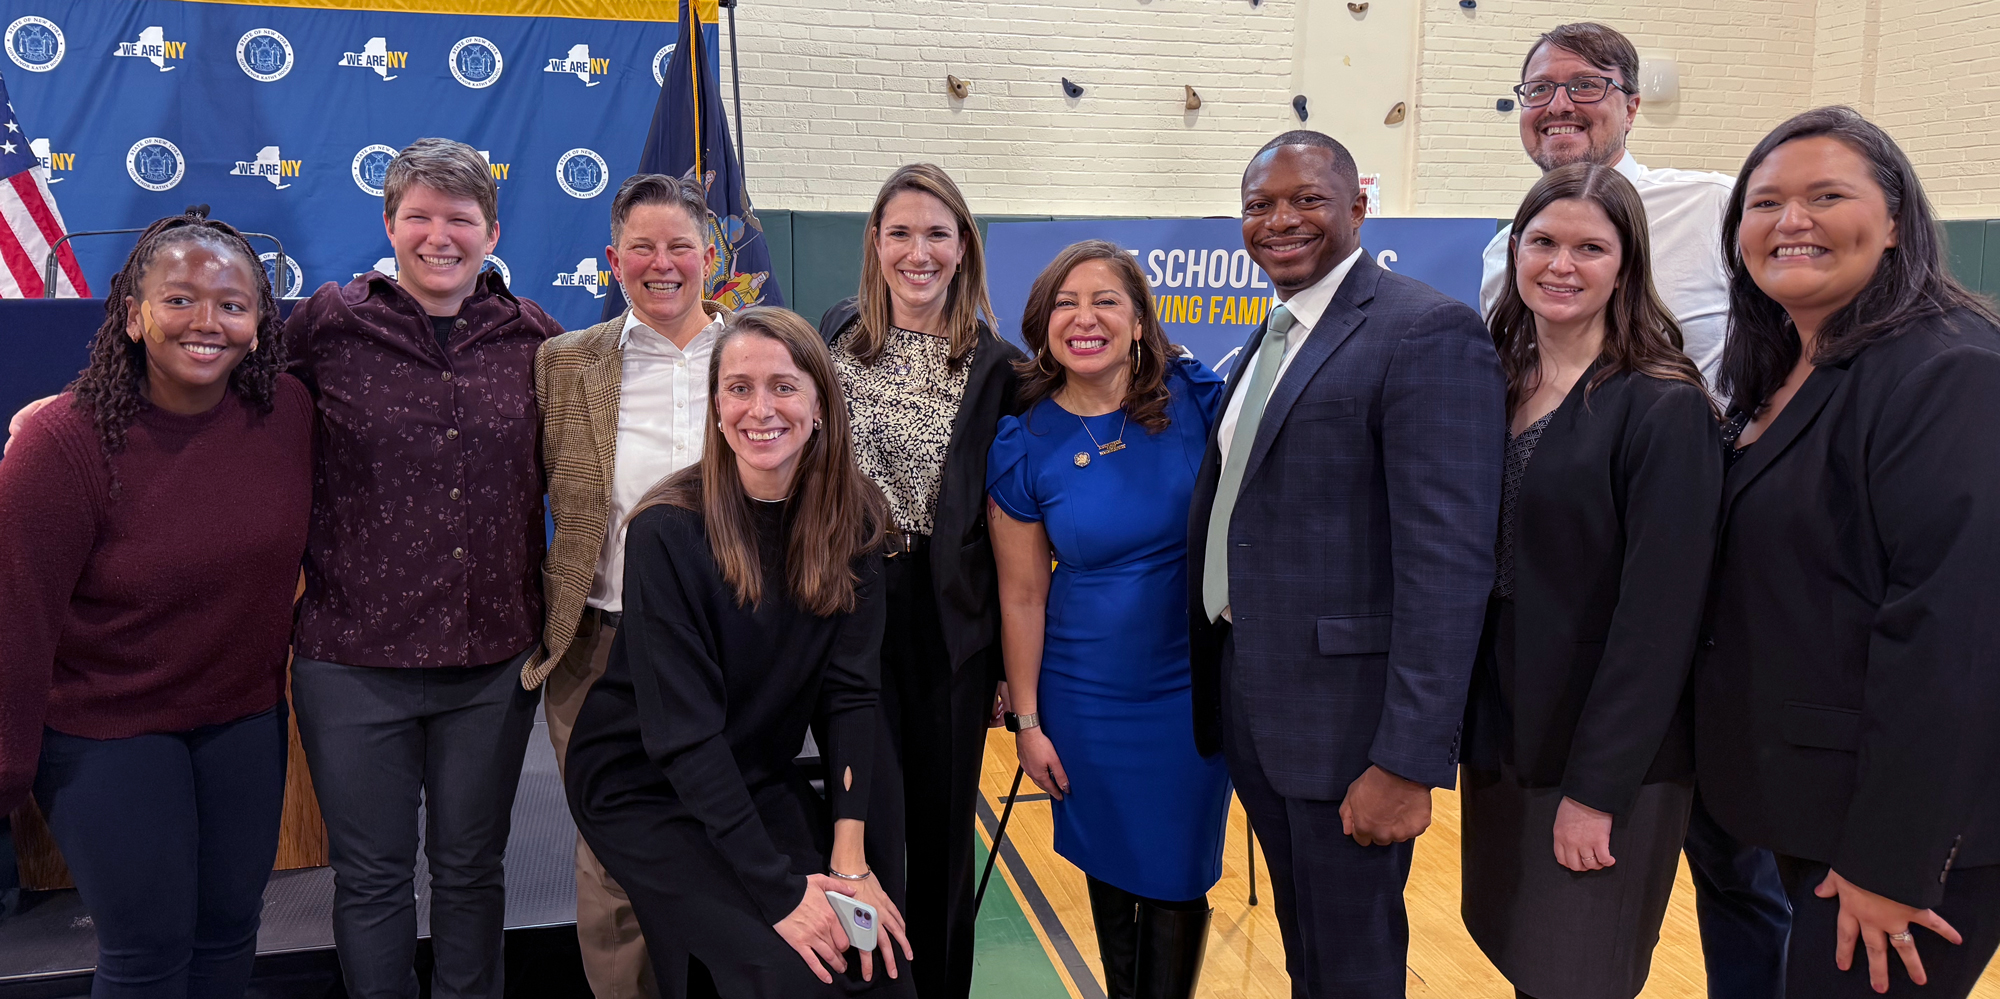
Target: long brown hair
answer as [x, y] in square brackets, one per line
[1640, 335]
[965, 303]
[838, 515]
[1147, 396]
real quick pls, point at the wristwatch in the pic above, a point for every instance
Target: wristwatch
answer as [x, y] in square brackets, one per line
[1022, 723]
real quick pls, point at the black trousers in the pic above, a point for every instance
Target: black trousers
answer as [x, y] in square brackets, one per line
[1971, 905]
[381, 742]
[692, 906]
[1339, 904]
[937, 720]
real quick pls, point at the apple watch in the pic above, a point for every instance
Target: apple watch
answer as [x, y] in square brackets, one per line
[1022, 723]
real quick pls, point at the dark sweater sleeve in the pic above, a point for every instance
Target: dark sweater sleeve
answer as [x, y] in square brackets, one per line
[1928, 736]
[1673, 491]
[850, 692]
[682, 700]
[51, 493]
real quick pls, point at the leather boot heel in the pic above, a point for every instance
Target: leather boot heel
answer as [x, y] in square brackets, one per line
[1172, 944]
[1115, 911]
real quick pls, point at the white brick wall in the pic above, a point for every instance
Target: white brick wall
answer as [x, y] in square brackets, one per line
[838, 94]
[1937, 90]
[1744, 66]
[838, 98]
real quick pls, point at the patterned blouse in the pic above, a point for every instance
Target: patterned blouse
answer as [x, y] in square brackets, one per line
[1514, 467]
[901, 410]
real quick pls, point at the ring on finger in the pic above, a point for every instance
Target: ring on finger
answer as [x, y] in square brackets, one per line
[1904, 937]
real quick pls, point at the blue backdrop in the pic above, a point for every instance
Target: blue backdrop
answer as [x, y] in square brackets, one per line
[1207, 291]
[284, 119]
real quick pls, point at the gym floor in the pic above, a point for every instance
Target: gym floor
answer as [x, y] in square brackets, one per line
[1045, 908]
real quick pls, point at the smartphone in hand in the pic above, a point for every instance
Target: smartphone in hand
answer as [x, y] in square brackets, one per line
[856, 917]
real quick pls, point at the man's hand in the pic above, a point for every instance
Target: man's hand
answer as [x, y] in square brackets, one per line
[1382, 808]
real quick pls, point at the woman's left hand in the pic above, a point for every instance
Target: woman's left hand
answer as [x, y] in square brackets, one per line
[1002, 704]
[1582, 837]
[889, 929]
[1879, 922]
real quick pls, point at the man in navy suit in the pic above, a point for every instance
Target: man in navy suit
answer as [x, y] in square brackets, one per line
[1341, 554]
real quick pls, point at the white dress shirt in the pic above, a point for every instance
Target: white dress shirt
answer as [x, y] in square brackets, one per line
[1684, 211]
[662, 416]
[1306, 307]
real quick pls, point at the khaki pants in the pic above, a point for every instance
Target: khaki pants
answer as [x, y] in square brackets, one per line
[614, 954]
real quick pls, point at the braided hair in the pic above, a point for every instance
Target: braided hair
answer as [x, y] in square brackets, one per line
[109, 385]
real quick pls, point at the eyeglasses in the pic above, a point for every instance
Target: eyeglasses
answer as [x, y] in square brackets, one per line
[1582, 90]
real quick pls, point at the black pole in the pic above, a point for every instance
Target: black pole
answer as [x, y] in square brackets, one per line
[735, 86]
[1251, 835]
[999, 834]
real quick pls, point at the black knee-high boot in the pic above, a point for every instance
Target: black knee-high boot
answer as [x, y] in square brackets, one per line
[1116, 913]
[1173, 939]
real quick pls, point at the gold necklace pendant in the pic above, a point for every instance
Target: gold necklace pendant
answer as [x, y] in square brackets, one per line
[1106, 447]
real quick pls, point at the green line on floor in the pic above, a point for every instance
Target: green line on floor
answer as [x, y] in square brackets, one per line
[1008, 961]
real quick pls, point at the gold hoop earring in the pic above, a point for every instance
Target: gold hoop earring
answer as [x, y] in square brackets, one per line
[1041, 363]
[1137, 356]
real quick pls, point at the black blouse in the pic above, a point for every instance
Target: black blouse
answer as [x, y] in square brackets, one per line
[705, 703]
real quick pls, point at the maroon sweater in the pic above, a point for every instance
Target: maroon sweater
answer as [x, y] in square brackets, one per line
[161, 609]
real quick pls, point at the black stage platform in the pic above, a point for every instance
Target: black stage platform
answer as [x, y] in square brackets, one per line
[49, 946]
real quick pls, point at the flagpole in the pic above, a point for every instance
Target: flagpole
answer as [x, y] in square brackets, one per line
[735, 86]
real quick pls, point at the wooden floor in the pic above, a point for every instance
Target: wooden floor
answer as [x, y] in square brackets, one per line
[1246, 959]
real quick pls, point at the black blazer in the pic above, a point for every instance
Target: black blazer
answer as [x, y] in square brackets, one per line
[1847, 695]
[1365, 529]
[962, 571]
[1614, 530]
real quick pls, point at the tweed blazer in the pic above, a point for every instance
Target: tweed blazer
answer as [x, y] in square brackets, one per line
[577, 380]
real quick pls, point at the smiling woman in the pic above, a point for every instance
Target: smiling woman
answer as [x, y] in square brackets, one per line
[1853, 586]
[152, 521]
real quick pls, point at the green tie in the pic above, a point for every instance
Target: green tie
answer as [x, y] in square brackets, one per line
[1215, 564]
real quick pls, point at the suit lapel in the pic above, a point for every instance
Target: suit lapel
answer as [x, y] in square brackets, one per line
[602, 379]
[1798, 415]
[1342, 316]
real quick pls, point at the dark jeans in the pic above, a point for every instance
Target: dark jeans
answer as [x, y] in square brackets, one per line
[1744, 915]
[1971, 905]
[170, 838]
[380, 742]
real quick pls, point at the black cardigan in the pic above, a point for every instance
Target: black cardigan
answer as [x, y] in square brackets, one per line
[962, 571]
[1614, 528]
[1847, 694]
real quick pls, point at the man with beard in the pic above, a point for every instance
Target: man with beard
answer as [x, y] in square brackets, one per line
[1579, 96]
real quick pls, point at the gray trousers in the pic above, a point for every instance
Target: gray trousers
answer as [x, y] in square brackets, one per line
[380, 743]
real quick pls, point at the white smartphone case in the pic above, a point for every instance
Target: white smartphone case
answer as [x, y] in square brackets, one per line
[857, 918]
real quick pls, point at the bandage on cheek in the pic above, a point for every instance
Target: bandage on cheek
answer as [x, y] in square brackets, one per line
[153, 330]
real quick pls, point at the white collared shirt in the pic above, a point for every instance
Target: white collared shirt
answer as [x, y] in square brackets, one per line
[1684, 211]
[662, 412]
[1306, 307]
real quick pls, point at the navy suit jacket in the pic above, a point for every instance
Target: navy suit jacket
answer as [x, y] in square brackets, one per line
[1361, 546]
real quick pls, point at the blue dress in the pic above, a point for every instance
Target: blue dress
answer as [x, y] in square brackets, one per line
[1145, 812]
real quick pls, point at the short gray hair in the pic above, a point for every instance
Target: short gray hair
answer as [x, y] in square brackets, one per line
[445, 166]
[658, 189]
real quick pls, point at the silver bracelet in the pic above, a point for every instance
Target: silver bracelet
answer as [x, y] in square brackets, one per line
[863, 876]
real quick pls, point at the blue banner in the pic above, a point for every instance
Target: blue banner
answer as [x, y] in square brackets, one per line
[284, 119]
[690, 138]
[1208, 292]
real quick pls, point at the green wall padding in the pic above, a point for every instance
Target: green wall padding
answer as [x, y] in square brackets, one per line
[1965, 252]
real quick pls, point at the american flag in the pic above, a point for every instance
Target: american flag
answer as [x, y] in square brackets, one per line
[29, 221]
